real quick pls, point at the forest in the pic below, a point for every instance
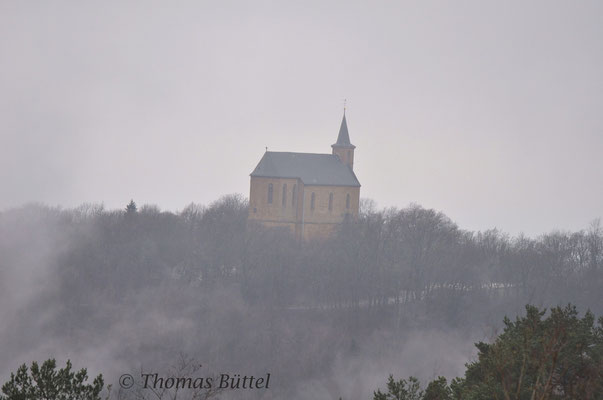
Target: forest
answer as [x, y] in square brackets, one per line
[402, 292]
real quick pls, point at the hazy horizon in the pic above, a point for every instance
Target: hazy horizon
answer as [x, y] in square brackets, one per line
[487, 112]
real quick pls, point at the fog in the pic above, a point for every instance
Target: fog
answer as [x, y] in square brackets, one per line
[479, 138]
[400, 291]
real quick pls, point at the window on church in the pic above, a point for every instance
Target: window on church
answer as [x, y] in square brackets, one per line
[347, 201]
[293, 195]
[284, 195]
[270, 192]
[312, 201]
[330, 201]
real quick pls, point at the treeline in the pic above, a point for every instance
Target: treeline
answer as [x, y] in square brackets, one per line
[133, 288]
[389, 259]
[415, 255]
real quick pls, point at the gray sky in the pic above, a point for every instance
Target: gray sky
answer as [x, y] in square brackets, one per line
[488, 111]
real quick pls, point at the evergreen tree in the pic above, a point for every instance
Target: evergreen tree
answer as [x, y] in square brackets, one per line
[558, 357]
[555, 358]
[400, 390]
[438, 390]
[131, 207]
[46, 383]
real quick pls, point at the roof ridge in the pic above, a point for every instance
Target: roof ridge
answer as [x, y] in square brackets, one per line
[298, 152]
[311, 168]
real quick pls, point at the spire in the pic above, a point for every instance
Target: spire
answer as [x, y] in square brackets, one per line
[343, 148]
[343, 139]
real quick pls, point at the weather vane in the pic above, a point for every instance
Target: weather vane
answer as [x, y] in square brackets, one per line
[344, 104]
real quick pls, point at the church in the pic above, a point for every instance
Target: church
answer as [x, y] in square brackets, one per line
[308, 193]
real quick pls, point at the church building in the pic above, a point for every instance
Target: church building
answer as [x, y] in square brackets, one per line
[306, 192]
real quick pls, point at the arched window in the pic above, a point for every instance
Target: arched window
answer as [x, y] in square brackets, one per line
[347, 201]
[293, 195]
[312, 201]
[284, 200]
[330, 201]
[270, 192]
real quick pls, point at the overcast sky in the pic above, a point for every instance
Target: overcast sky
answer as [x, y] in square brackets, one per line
[491, 112]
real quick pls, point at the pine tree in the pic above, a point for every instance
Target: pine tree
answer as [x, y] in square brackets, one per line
[131, 207]
[45, 382]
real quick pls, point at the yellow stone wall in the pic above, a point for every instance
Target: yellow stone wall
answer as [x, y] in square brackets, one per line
[260, 209]
[317, 222]
[345, 154]
[321, 212]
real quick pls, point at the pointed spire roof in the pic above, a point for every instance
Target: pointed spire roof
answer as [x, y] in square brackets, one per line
[343, 139]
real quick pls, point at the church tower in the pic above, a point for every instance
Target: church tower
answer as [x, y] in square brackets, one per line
[343, 148]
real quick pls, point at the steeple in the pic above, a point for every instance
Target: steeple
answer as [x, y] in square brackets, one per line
[343, 139]
[343, 148]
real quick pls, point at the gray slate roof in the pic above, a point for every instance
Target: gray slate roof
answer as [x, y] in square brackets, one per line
[312, 169]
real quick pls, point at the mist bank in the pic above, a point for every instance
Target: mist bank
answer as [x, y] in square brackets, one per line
[400, 291]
